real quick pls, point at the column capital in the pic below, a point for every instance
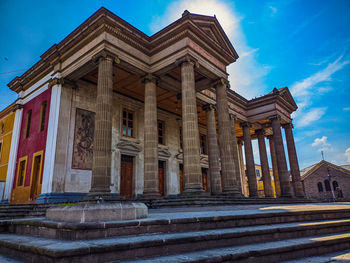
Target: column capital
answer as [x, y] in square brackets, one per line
[233, 117]
[17, 107]
[61, 81]
[55, 81]
[150, 78]
[287, 125]
[244, 124]
[187, 59]
[260, 132]
[273, 117]
[105, 54]
[221, 81]
[208, 107]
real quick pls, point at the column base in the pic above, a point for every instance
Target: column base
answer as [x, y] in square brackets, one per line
[233, 193]
[151, 195]
[194, 190]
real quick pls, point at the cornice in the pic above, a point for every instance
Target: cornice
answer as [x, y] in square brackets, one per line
[105, 21]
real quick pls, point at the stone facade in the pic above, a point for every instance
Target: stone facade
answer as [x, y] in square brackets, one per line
[165, 121]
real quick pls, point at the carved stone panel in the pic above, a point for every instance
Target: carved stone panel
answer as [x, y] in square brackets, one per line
[83, 139]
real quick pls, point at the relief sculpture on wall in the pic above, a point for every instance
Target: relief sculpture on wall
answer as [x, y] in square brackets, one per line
[83, 139]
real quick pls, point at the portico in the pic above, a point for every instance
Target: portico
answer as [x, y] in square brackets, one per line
[154, 116]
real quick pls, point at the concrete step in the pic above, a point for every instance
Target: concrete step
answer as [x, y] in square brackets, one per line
[276, 251]
[336, 257]
[121, 248]
[166, 223]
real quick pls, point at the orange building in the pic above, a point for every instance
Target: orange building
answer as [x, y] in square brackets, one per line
[7, 117]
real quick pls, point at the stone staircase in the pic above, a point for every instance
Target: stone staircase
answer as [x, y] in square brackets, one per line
[272, 234]
[212, 200]
[23, 210]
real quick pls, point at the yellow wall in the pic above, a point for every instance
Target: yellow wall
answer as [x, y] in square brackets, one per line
[6, 127]
[260, 183]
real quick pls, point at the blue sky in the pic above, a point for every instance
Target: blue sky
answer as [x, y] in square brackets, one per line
[304, 45]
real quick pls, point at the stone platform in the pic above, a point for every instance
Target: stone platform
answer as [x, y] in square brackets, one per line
[242, 233]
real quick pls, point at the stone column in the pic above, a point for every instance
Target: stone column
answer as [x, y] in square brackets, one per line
[286, 190]
[213, 150]
[101, 167]
[274, 166]
[249, 159]
[151, 188]
[190, 132]
[230, 184]
[237, 172]
[264, 163]
[293, 161]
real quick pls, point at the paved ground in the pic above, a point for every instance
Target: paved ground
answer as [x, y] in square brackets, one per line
[240, 209]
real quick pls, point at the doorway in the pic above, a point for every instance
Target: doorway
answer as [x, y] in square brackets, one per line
[205, 179]
[161, 176]
[126, 176]
[182, 183]
[35, 184]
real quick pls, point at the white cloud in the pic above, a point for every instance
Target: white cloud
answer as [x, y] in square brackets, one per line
[347, 154]
[346, 109]
[246, 75]
[305, 86]
[309, 117]
[304, 91]
[320, 141]
[273, 10]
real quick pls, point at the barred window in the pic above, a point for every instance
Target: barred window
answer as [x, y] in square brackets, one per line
[128, 123]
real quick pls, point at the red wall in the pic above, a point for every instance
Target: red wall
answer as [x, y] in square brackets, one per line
[36, 140]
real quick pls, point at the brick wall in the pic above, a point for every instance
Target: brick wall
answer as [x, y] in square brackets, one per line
[320, 175]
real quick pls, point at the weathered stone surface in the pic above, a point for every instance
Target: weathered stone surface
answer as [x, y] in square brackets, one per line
[98, 212]
[286, 190]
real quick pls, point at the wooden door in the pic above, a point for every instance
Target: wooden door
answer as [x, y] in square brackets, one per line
[182, 183]
[161, 171]
[204, 179]
[35, 187]
[126, 176]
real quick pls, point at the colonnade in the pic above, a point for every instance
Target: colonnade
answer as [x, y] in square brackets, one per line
[226, 182]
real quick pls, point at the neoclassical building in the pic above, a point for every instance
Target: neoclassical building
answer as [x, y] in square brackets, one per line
[112, 110]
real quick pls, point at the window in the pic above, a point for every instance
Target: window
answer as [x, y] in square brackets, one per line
[203, 142]
[257, 172]
[28, 121]
[161, 132]
[320, 187]
[42, 116]
[327, 185]
[21, 173]
[335, 185]
[128, 123]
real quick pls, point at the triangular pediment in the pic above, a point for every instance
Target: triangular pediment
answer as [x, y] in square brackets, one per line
[287, 96]
[211, 27]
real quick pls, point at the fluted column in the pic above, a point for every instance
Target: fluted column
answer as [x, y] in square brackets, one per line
[274, 166]
[151, 188]
[268, 191]
[213, 150]
[293, 161]
[249, 159]
[230, 184]
[101, 168]
[286, 190]
[190, 132]
[235, 153]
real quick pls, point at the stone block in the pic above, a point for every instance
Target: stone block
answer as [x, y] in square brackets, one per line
[82, 213]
